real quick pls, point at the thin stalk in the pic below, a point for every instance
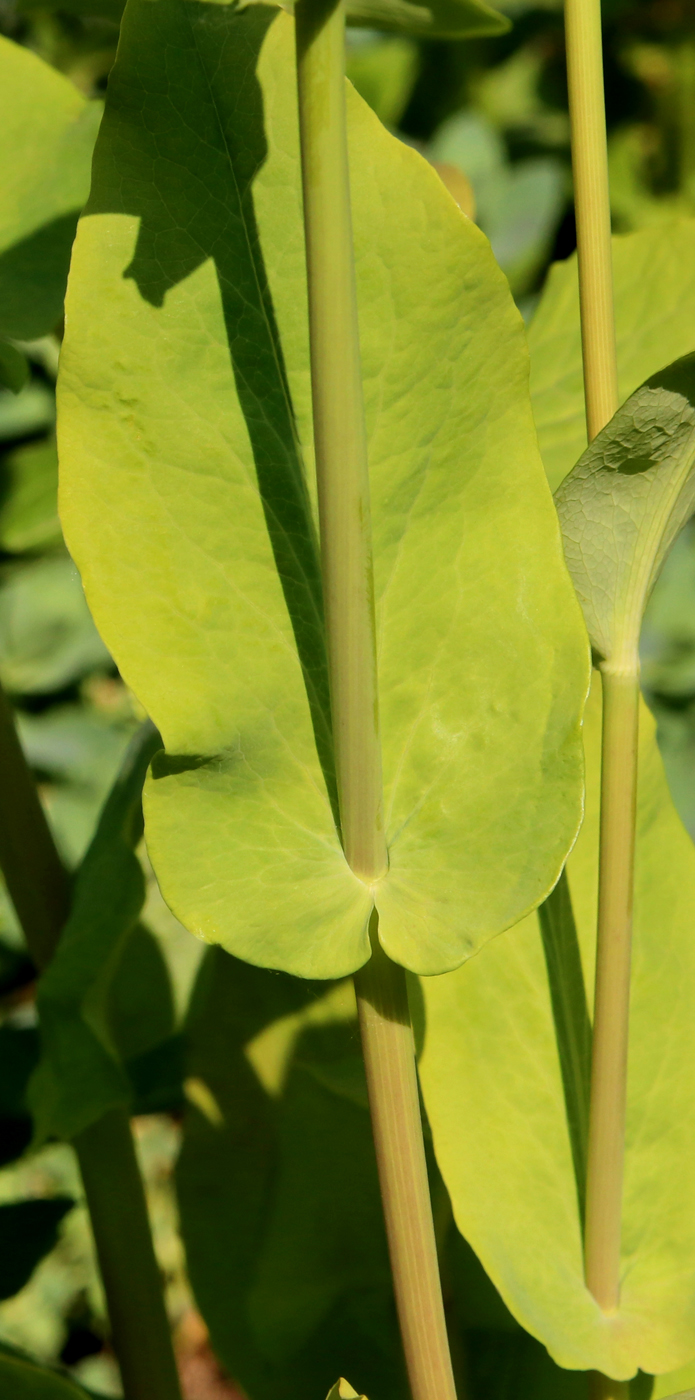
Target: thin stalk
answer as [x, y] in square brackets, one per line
[39, 888]
[389, 1057]
[603, 1388]
[612, 996]
[340, 435]
[592, 209]
[346, 562]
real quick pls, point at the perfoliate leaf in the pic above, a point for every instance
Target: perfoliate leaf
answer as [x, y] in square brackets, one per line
[654, 286]
[496, 1068]
[187, 508]
[80, 1075]
[48, 132]
[623, 504]
[14, 370]
[28, 1231]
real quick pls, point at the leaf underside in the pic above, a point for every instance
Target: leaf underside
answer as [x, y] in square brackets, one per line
[185, 422]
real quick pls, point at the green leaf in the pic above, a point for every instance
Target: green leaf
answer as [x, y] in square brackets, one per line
[342, 1390]
[28, 1231]
[22, 1380]
[80, 1075]
[140, 1004]
[495, 1069]
[278, 1191]
[30, 411]
[47, 637]
[384, 71]
[14, 370]
[186, 506]
[441, 19]
[19, 1052]
[622, 506]
[48, 135]
[654, 281]
[29, 497]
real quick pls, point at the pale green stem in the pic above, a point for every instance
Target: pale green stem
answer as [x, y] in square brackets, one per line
[387, 1041]
[592, 209]
[346, 561]
[40, 891]
[340, 435]
[612, 995]
[603, 1388]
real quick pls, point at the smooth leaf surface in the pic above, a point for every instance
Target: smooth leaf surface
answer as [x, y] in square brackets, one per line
[492, 1077]
[47, 637]
[185, 505]
[48, 132]
[80, 1075]
[342, 1390]
[654, 291]
[28, 1231]
[622, 506]
[278, 1192]
[440, 19]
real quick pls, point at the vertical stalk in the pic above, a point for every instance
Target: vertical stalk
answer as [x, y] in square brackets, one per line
[612, 999]
[592, 208]
[603, 1388]
[620, 689]
[387, 1039]
[39, 888]
[339, 434]
[346, 562]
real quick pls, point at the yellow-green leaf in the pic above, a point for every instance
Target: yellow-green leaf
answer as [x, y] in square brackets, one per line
[654, 277]
[493, 1084]
[186, 506]
[48, 132]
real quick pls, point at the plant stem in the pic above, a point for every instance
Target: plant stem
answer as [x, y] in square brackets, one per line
[603, 1388]
[592, 209]
[340, 434]
[129, 1269]
[346, 562]
[387, 1041]
[39, 888]
[612, 997]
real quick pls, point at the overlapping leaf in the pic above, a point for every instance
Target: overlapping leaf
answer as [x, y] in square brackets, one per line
[654, 277]
[492, 1073]
[80, 1075]
[186, 507]
[48, 132]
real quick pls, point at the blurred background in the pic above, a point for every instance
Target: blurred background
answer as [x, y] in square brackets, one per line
[493, 114]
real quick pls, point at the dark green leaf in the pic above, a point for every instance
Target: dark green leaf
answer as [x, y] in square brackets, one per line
[28, 1231]
[80, 1075]
[14, 370]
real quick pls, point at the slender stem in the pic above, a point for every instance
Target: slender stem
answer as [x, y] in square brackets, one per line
[340, 434]
[603, 1388]
[40, 891]
[36, 880]
[387, 1041]
[592, 208]
[129, 1269]
[612, 997]
[346, 561]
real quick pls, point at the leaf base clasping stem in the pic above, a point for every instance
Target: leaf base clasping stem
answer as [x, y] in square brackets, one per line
[348, 592]
[612, 1000]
